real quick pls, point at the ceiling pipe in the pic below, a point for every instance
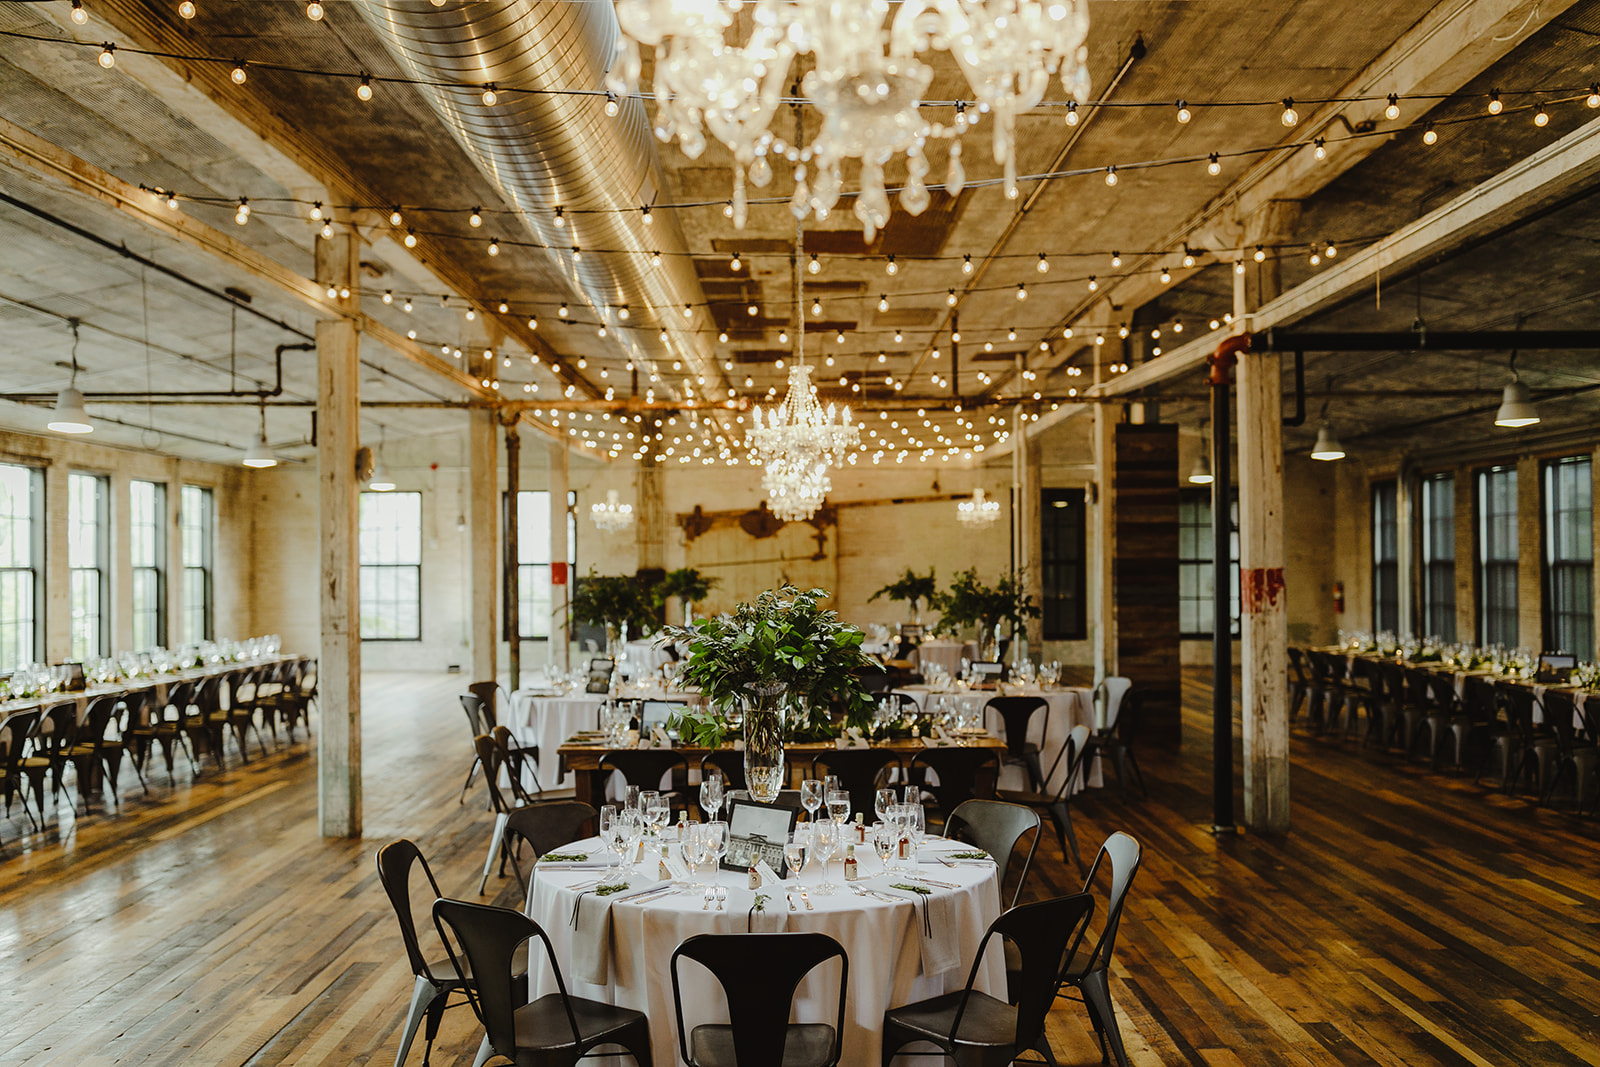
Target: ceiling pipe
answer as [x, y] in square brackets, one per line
[549, 151]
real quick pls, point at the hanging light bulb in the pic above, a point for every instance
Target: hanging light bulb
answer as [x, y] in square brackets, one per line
[816, 307]
[186, 9]
[561, 215]
[1330, 251]
[1495, 106]
[1392, 112]
[1261, 254]
[727, 209]
[883, 302]
[395, 218]
[406, 307]
[1541, 117]
[1116, 260]
[1166, 276]
[476, 218]
[611, 104]
[326, 233]
[411, 238]
[79, 15]
[735, 263]
[108, 55]
[1319, 149]
[950, 298]
[494, 247]
[1094, 286]
[561, 312]
[966, 263]
[1593, 99]
[1022, 292]
[1183, 112]
[491, 95]
[1290, 116]
[533, 324]
[315, 213]
[655, 259]
[364, 89]
[1043, 266]
[1327, 447]
[237, 75]
[1213, 165]
[1111, 175]
[1188, 257]
[314, 11]
[1429, 136]
[891, 267]
[1072, 112]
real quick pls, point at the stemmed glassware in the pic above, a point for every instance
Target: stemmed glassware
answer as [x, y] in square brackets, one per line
[811, 797]
[882, 801]
[631, 824]
[658, 812]
[696, 847]
[839, 806]
[610, 828]
[824, 842]
[794, 852]
[711, 788]
[885, 836]
[716, 832]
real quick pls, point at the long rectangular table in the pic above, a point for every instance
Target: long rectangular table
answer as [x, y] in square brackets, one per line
[159, 684]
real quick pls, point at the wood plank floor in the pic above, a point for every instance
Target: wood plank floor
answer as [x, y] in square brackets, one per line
[1410, 918]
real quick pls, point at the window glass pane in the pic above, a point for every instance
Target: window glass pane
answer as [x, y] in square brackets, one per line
[1438, 557]
[1569, 556]
[87, 545]
[21, 521]
[1063, 521]
[197, 524]
[1497, 556]
[1196, 583]
[390, 537]
[533, 527]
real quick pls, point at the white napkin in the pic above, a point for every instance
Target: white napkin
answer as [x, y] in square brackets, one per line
[941, 949]
[591, 939]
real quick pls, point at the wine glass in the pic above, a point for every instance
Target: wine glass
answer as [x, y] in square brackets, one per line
[884, 838]
[916, 824]
[711, 787]
[631, 829]
[824, 841]
[717, 843]
[659, 812]
[630, 798]
[696, 848]
[882, 801]
[794, 853]
[831, 783]
[647, 800]
[839, 806]
[811, 797]
[610, 820]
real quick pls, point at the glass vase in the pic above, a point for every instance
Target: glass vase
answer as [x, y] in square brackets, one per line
[763, 740]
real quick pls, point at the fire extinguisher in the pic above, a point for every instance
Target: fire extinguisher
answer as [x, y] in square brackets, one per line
[1338, 598]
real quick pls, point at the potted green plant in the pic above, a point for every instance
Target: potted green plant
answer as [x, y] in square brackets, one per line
[913, 588]
[617, 602]
[688, 585]
[969, 602]
[782, 652]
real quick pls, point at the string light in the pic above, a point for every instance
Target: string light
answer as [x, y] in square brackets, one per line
[364, 89]
[611, 104]
[533, 324]
[1320, 149]
[883, 302]
[1188, 257]
[1593, 99]
[1261, 254]
[79, 15]
[326, 233]
[491, 96]
[1183, 112]
[388, 296]
[237, 75]
[1166, 276]
[476, 218]
[406, 307]
[395, 217]
[1330, 251]
[411, 239]
[750, 309]
[1022, 292]
[314, 11]
[241, 214]
[186, 9]
[1392, 112]
[644, 214]
[655, 259]
[1495, 106]
[1290, 116]
[891, 267]
[816, 307]
[1072, 112]
[1214, 165]
[735, 263]
[561, 215]
[727, 209]
[966, 263]
[815, 266]
[1111, 175]
[108, 55]
[1116, 260]
[1043, 266]
[561, 312]
[950, 298]
[1238, 266]
[1094, 286]
[494, 247]
[898, 336]
[1541, 117]
[315, 213]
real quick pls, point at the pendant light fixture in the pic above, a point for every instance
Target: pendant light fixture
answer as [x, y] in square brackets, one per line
[380, 482]
[1327, 446]
[1200, 473]
[259, 454]
[1516, 403]
[69, 415]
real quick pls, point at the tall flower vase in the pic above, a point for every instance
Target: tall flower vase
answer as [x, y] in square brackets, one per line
[763, 740]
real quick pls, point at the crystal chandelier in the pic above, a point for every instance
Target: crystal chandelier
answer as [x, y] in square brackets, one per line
[979, 511]
[611, 516]
[867, 84]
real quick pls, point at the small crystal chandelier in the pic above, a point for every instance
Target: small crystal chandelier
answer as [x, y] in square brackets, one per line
[799, 440]
[612, 516]
[867, 83]
[979, 511]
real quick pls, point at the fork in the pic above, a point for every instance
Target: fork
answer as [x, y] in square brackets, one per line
[722, 894]
[707, 905]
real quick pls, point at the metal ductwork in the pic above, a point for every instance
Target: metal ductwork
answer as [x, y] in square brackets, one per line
[549, 151]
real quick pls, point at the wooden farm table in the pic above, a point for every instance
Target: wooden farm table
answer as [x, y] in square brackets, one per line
[581, 759]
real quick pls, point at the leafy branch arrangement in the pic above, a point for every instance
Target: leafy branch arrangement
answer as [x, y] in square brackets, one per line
[686, 583]
[785, 637]
[614, 599]
[969, 602]
[911, 588]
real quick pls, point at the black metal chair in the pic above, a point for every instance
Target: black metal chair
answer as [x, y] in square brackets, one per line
[730, 763]
[557, 1029]
[547, 825]
[1091, 977]
[760, 999]
[1576, 757]
[52, 738]
[149, 724]
[960, 771]
[436, 980]
[299, 693]
[1017, 713]
[858, 769]
[473, 706]
[1524, 750]
[996, 826]
[520, 761]
[647, 767]
[1113, 742]
[92, 753]
[1058, 805]
[977, 1030]
[1299, 681]
[15, 729]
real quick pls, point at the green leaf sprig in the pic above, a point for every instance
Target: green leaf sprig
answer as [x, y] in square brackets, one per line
[924, 890]
[607, 890]
[563, 857]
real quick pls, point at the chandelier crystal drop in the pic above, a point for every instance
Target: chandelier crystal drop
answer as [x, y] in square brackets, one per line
[979, 511]
[797, 442]
[723, 68]
[612, 516]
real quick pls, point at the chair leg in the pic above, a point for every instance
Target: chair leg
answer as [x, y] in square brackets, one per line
[1061, 814]
[471, 773]
[1138, 775]
[422, 994]
[494, 849]
[1097, 997]
[484, 1052]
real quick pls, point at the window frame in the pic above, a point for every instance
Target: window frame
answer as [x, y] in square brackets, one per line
[373, 572]
[1384, 513]
[1575, 574]
[1065, 608]
[93, 578]
[204, 571]
[1437, 571]
[1498, 572]
[1201, 563]
[156, 571]
[33, 625]
[528, 570]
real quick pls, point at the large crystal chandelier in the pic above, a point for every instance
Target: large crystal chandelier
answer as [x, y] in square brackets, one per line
[867, 83]
[978, 511]
[800, 439]
[612, 516]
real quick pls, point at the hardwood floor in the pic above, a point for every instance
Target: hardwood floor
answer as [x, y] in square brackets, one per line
[1410, 918]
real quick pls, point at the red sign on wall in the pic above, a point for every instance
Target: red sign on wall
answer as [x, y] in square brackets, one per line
[558, 572]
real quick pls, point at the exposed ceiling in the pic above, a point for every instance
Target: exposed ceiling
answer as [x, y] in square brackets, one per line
[287, 137]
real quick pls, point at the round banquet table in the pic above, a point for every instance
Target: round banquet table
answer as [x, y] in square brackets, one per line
[883, 942]
[1068, 706]
[547, 721]
[946, 654]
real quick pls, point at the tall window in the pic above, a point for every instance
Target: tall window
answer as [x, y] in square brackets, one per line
[197, 523]
[147, 553]
[1497, 556]
[88, 562]
[1385, 558]
[535, 601]
[1439, 556]
[1062, 518]
[1196, 592]
[391, 566]
[21, 560]
[1569, 556]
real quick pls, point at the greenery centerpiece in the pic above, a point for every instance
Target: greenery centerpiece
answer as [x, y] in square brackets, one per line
[969, 602]
[688, 585]
[912, 588]
[616, 602]
[782, 653]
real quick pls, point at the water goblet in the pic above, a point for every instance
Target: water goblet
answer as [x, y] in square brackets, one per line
[647, 800]
[658, 812]
[696, 848]
[610, 826]
[717, 843]
[630, 798]
[839, 806]
[794, 853]
[711, 787]
[824, 841]
[884, 839]
[632, 829]
[811, 797]
[882, 801]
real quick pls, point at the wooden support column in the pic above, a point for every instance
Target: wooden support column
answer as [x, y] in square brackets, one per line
[1264, 619]
[560, 579]
[513, 609]
[1146, 575]
[1103, 514]
[483, 528]
[650, 514]
[1033, 558]
[338, 438]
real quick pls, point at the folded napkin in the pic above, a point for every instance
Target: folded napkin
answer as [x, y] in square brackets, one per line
[941, 949]
[773, 917]
[591, 936]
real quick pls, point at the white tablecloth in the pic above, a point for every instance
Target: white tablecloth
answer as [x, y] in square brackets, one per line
[1068, 707]
[547, 721]
[644, 657]
[946, 654]
[882, 940]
